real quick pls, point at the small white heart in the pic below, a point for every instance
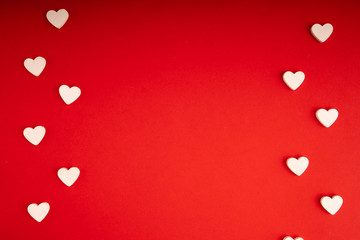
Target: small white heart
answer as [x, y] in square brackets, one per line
[68, 176]
[290, 238]
[35, 66]
[297, 166]
[327, 117]
[38, 212]
[332, 205]
[322, 33]
[293, 80]
[34, 135]
[69, 95]
[57, 19]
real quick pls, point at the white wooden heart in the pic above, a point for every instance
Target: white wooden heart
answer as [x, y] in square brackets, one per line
[69, 95]
[35, 66]
[290, 238]
[322, 33]
[38, 212]
[332, 205]
[327, 117]
[297, 166]
[57, 19]
[68, 176]
[34, 135]
[293, 80]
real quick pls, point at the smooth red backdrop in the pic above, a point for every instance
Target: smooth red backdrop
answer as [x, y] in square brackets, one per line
[184, 123]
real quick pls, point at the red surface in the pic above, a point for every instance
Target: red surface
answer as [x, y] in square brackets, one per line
[184, 123]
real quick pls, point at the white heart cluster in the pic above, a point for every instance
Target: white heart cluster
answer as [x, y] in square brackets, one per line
[35, 135]
[70, 94]
[37, 65]
[326, 117]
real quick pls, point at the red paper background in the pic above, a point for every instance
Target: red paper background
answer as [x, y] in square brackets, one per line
[184, 123]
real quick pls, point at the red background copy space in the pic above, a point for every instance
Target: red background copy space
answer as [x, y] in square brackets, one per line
[184, 123]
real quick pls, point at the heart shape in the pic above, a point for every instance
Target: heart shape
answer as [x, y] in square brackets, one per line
[293, 80]
[69, 95]
[34, 135]
[322, 33]
[35, 66]
[290, 238]
[327, 117]
[297, 166]
[332, 205]
[38, 212]
[68, 176]
[57, 19]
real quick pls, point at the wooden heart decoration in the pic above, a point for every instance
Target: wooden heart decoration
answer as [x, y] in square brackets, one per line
[38, 212]
[322, 32]
[35, 66]
[297, 166]
[332, 204]
[327, 117]
[68, 176]
[34, 135]
[57, 18]
[69, 95]
[293, 80]
[290, 238]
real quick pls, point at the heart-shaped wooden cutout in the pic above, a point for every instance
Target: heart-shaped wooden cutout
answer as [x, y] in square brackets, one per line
[290, 238]
[69, 95]
[322, 32]
[332, 204]
[34, 135]
[38, 212]
[35, 66]
[327, 117]
[68, 176]
[57, 18]
[297, 166]
[293, 80]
